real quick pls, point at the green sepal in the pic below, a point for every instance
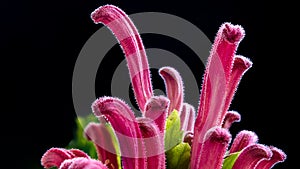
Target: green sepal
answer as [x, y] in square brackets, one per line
[173, 134]
[179, 156]
[230, 160]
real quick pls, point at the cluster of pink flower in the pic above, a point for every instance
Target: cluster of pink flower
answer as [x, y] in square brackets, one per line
[138, 142]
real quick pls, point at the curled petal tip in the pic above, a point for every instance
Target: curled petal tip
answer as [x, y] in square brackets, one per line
[174, 87]
[242, 62]
[230, 117]
[54, 157]
[214, 148]
[277, 157]
[157, 109]
[157, 103]
[251, 155]
[217, 134]
[243, 139]
[233, 33]
[280, 155]
[103, 14]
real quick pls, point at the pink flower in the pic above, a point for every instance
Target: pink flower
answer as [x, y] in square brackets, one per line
[125, 141]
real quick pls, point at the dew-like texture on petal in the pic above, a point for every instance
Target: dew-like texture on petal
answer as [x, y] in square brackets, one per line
[211, 109]
[154, 143]
[277, 156]
[251, 155]
[230, 117]
[243, 139]
[174, 87]
[82, 163]
[122, 119]
[104, 141]
[131, 43]
[214, 148]
[157, 109]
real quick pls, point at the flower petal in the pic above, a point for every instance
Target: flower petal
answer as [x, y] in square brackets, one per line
[214, 148]
[157, 109]
[82, 163]
[277, 157]
[105, 141]
[122, 119]
[230, 117]
[174, 87]
[55, 156]
[187, 117]
[241, 65]
[154, 143]
[243, 139]
[128, 37]
[251, 155]
[214, 87]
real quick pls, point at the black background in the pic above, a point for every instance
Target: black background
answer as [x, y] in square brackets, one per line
[40, 42]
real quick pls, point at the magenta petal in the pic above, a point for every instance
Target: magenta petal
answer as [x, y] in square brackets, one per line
[55, 156]
[82, 163]
[79, 153]
[187, 117]
[128, 37]
[102, 139]
[122, 119]
[214, 148]
[157, 109]
[230, 117]
[214, 88]
[251, 155]
[154, 143]
[240, 66]
[174, 87]
[277, 157]
[243, 139]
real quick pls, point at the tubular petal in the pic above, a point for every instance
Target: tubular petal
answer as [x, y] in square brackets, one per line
[128, 37]
[55, 156]
[230, 117]
[241, 65]
[277, 157]
[157, 109]
[174, 87]
[187, 117]
[104, 142]
[214, 87]
[122, 119]
[251, 155]
[154, 143]
[82, 163]
[243, 139]
[214, 148]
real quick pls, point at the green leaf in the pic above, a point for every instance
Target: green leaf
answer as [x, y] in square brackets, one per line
[173, 134]
[80, 141]
[179, 156]
[230, 160]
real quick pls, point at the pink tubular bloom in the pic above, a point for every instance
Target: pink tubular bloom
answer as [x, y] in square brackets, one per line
[69, 159]
[124, 141]
[127, 35]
